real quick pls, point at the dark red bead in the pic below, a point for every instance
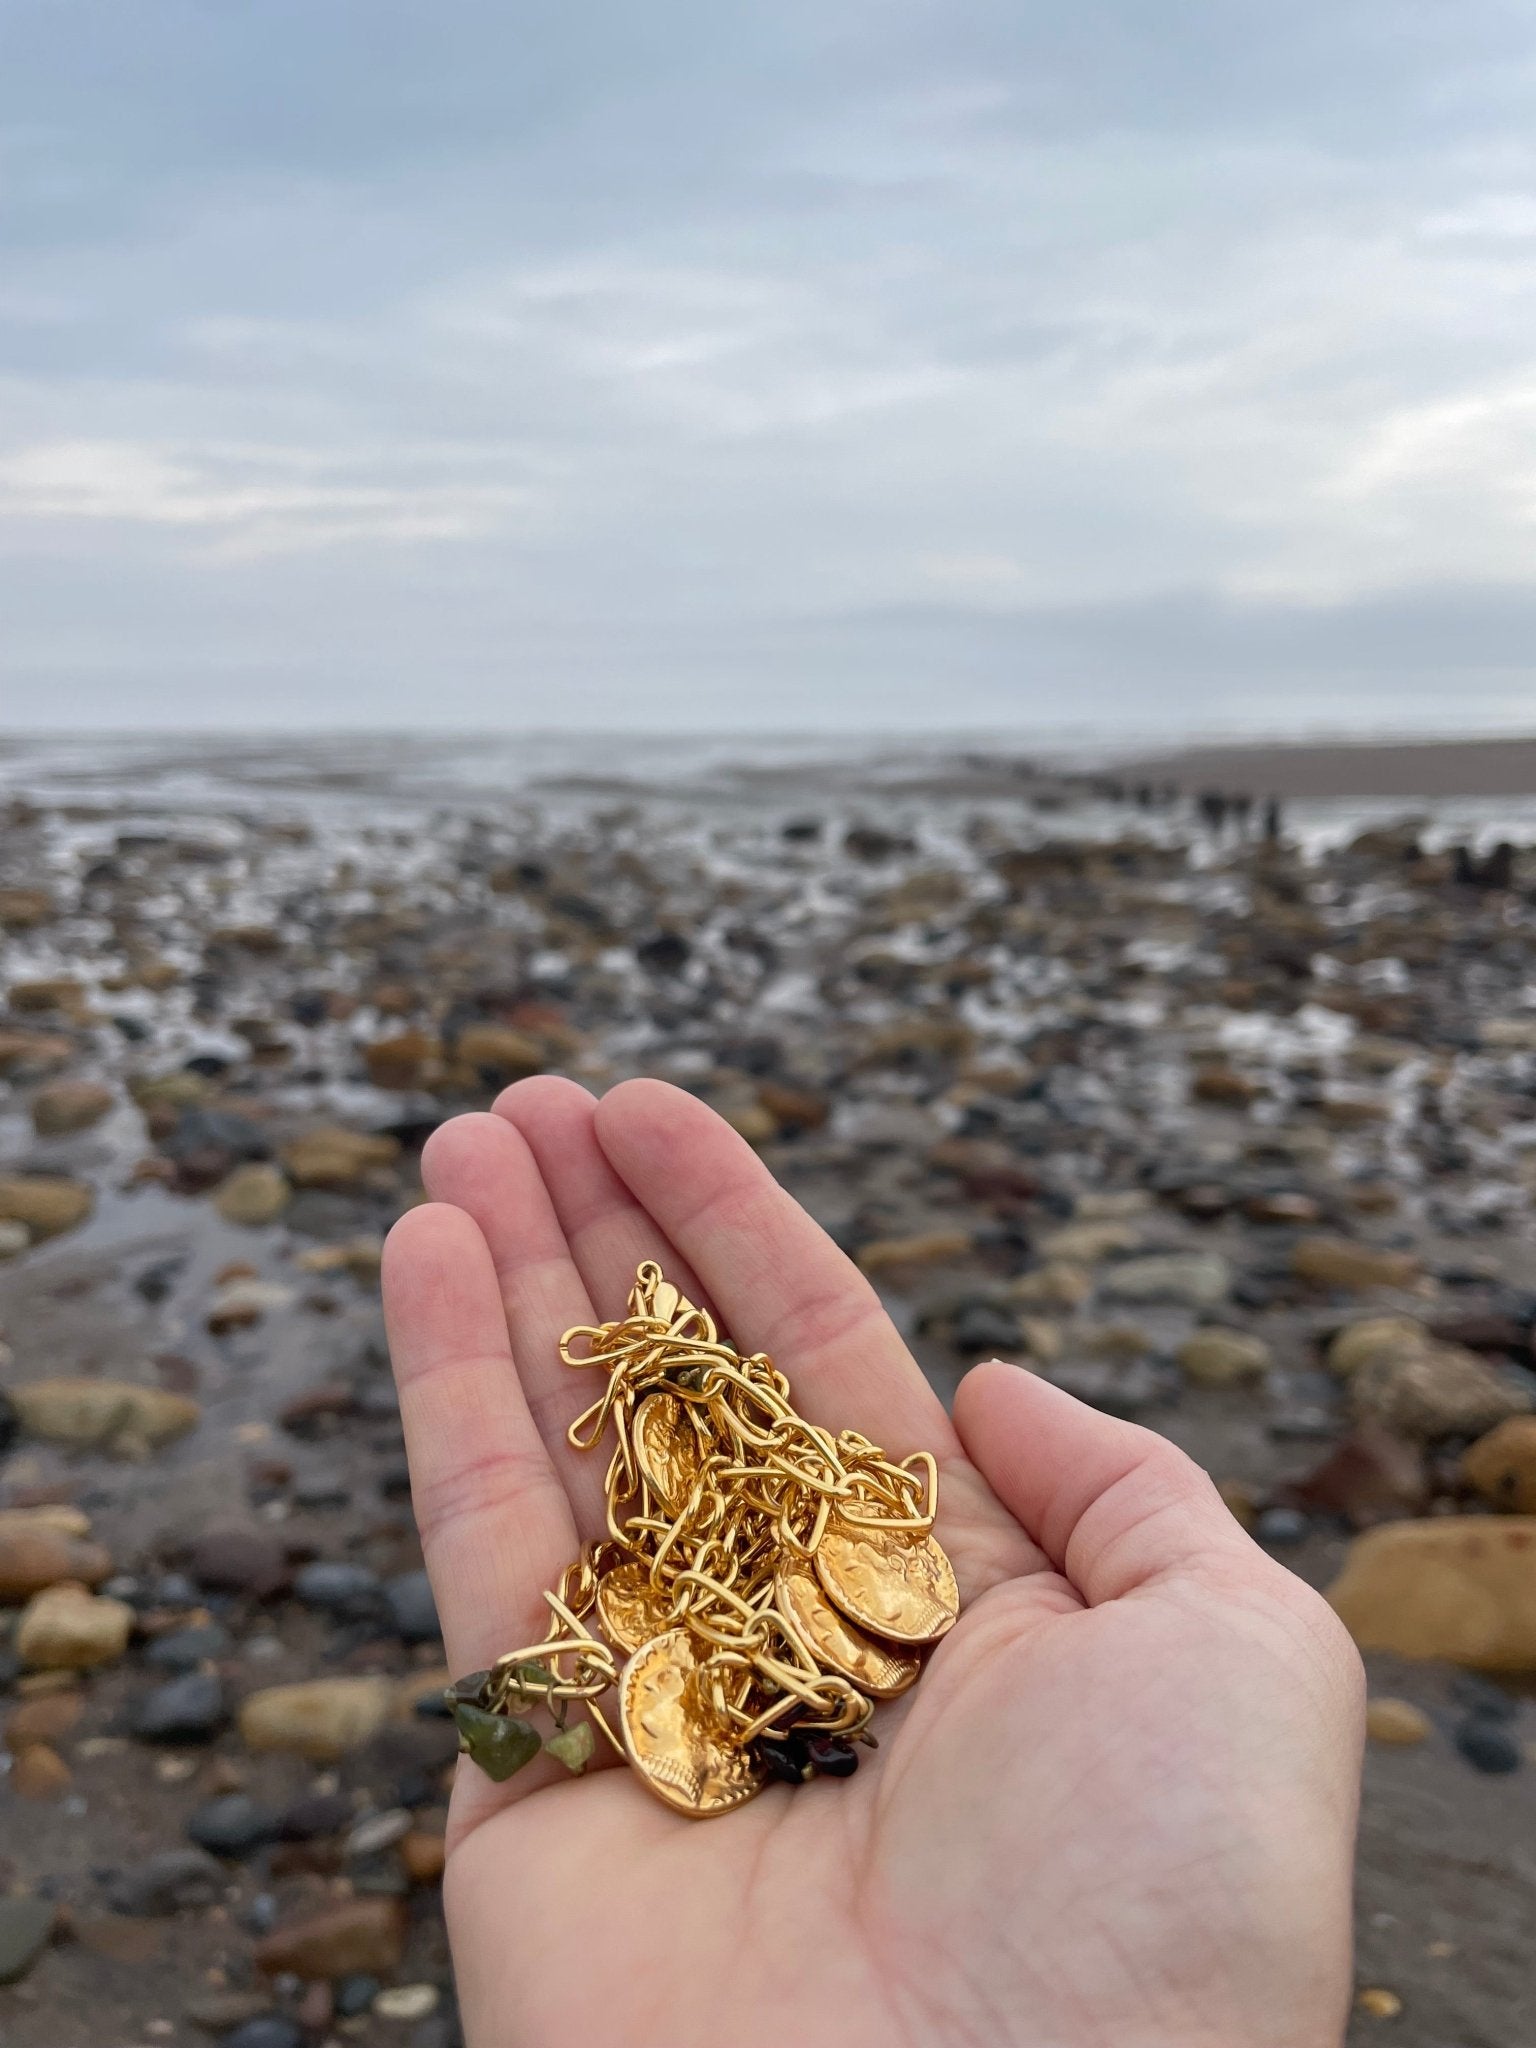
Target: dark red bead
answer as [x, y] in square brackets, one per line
[831, 1757]
[783, 1757]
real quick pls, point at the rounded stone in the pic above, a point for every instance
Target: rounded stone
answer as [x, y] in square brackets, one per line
[376, 1832]
[270, 2030]
[350, 1591]
[1488, 1745]
[355, 1995]
[233, 1826]
[314, 1816]
[189, 1709]
[185, 1648]
[165, 1883]
[66, 1628]
[26, 1925]
[412, 1608]
[1276, 1528]
[1222, 1358]
[1501, 1466]
[407, 2002]
[1397, 1723]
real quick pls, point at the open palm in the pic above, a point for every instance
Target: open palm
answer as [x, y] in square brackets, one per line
[1117, 1809]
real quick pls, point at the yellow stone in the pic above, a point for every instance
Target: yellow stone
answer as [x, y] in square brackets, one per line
[1501, 1466]
[320, 1718]
[1219, 1358]
[1399, 1723]
[931, 1248]
[1461, 1588]
[1058, 1285]
[65, 1628]
[1343, 1262]
[1086, 1243]
[1377, 2003]
[1358, 1342]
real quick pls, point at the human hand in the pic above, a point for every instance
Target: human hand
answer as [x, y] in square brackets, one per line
[1117, 1810]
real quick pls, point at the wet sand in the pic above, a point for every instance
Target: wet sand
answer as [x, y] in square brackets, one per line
[1336, 769]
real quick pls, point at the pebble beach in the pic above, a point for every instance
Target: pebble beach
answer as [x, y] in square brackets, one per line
[1223, 1121]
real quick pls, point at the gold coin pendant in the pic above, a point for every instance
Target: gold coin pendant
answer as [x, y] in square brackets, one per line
[630, 1608]
[666, 1449]
[673, 1736]
[875, 1668]
[898, 1583]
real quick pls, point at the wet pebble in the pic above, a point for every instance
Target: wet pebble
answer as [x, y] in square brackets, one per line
[318, 1490]
[1277, 1528]
[983, 1326]
[166, 1882]
[183, 1649]
[187, 1709]
[377, 1832]
[172, 1589]
[233, 1825]
[349, 1591]
[412, 1608]
[1196, 1280]
[1127, 1389]
[1397, 1723]
[1487, 1744]
[26, 1924]
[217, 2012]
[407, 2002]
[441, 2031]
[355, 1994]
[321, 1718]
[1480, 1695]
[270, 2030]
[314, 1816]
[238, 1560]
[362, 1935]
[65, 1628]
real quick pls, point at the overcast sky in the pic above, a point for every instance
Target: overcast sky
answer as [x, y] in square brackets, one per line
[821, 363]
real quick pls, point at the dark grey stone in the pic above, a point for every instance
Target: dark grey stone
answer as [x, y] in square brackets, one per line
[271, 2030]
[318, 1490]
[982, 1326]
[185, 1648]
[315, 1815]
[1487, 1744]
[165, 1883]
[233, 1826]
[350, 1591]
[354, 1995]
[412, 1608]
[25, 1925]
[189, 1709]
[173, 1589]
[210, 1134]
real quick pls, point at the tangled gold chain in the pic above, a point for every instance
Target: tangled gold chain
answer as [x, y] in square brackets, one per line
[764, 1579]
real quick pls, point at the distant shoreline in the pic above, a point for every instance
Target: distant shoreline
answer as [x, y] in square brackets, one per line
[1347, 768]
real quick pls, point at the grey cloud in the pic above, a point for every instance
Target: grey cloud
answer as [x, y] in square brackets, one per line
[819, 364]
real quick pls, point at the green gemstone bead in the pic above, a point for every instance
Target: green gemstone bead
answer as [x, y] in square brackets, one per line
[499, 1743]
[573, 1745]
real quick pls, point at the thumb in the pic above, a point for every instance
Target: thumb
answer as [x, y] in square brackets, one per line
[1112, 1505]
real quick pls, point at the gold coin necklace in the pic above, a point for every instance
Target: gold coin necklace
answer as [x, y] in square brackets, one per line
[760, 1585]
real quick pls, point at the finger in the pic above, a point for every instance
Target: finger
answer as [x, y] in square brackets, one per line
[780, 1283]
[608, 1231]
[1112, 1505]
[483, 1166]
[495, 1524]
